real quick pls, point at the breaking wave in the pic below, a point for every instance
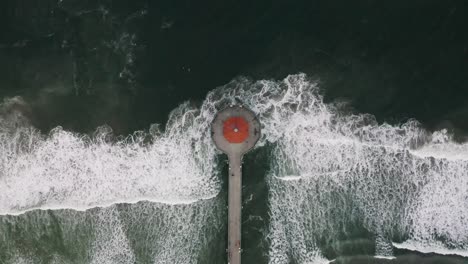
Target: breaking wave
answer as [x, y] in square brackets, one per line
[332, 171]
[151, 197]
[69, 170]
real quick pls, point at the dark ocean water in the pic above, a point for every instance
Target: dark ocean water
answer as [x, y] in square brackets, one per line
[80, 65]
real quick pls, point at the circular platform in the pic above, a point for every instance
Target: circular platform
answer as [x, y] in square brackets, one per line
[235, 130]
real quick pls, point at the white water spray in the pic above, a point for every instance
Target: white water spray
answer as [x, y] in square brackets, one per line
[331, 170]
[82, 178]
[68, 170]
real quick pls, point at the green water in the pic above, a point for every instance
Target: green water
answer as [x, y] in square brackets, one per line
[128, 64]
[148, 232]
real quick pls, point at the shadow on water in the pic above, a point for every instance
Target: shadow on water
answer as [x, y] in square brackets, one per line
[255, 217]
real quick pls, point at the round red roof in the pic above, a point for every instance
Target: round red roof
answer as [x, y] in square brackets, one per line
[235, 129]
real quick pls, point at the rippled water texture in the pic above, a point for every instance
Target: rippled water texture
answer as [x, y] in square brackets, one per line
[156, 196]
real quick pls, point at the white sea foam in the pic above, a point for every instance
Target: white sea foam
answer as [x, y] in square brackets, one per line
[443, 147]
[384, 257]
[144, 232]
[111, 244]
[68, 170]
[431, 247]
[333, 170]
[174, 170]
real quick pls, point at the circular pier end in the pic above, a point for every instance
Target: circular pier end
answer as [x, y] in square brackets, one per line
[235, 130]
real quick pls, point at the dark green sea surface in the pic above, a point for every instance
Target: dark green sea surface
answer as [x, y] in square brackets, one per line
[128, 64]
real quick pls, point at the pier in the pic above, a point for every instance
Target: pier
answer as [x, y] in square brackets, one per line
[235, 130]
